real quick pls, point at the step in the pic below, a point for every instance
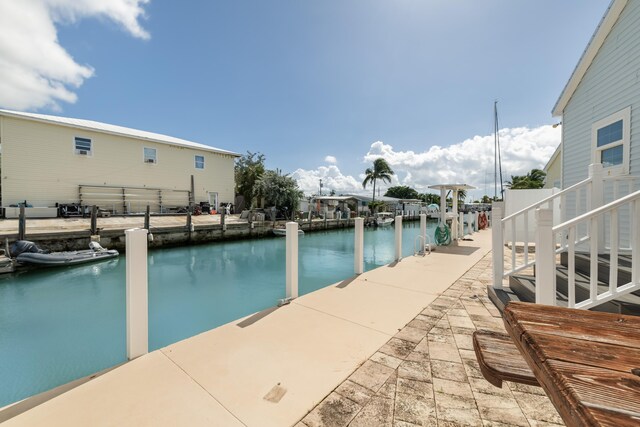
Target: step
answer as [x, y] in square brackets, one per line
[501, 297]
[583, 265]
[524, 288]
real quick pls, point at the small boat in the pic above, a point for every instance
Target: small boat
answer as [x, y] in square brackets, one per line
[34, 256]
[433, 211]
[283, 232]
[383, 219]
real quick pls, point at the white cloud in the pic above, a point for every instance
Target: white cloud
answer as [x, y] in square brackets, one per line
[470, 162]
[331, 159]
[35, 70]
[332, 179]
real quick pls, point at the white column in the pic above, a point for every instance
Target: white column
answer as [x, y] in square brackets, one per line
[137, 301]
[398, 224]
[497, 244]
[597, 199]
[358, 256]
[545, 258]
[476, 227]
[423, 231]
[454, 222]
[443, 206]
[292, 260]
[461, 225]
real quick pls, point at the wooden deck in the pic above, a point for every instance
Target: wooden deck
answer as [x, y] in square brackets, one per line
[587, 362]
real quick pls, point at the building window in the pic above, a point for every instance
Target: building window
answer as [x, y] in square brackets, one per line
[82, 146]
[610, 142]
[199, 162]
[150, 155]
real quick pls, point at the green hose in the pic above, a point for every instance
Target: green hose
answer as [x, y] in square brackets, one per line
[443, 235]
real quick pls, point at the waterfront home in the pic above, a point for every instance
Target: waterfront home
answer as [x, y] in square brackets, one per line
[553, 170]
[586, 256]
[48, 160]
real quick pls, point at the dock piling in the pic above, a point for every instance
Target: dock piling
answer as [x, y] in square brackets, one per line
[22, 223]
[358, 257]
[398, 224]
[137, 293]
[94, 220]
[292, 260]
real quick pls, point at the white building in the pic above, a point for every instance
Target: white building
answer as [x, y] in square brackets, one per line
[49, 159]
[600, 104]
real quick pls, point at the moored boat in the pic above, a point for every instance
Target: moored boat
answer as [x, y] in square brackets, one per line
[383, 219]
[28, 253]
[283, 232]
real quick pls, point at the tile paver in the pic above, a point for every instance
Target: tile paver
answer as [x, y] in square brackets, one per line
[438, 379]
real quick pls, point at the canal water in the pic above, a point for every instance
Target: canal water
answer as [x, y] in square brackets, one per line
[61, 324]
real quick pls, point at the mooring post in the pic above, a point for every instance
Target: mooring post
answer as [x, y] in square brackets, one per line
[189, 223]
[137, 293]
[94, 220]
[358, 256]
[147, 218]
[497, 244]
[292, 260]
[223, 220]
[398, 223]
[423, 231]
[22, 223]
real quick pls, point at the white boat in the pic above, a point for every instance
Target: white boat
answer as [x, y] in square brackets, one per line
[383, 219]
[433, 211]
[283, 232]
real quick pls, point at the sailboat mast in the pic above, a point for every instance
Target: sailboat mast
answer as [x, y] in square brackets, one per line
[498, 158]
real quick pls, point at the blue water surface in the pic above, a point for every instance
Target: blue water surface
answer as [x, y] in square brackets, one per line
[58, 325]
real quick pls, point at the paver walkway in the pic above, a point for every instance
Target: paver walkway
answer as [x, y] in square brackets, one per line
[427, 374]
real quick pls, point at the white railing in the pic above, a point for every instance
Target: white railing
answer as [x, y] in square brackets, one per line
[576, 200]
[595, 221]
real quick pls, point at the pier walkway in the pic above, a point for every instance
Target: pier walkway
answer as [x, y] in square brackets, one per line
[389, 347]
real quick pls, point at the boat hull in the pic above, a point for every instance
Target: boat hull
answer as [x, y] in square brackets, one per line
[283, 232]
[65, 258]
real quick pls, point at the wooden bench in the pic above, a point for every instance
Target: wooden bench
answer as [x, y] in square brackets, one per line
[500, 360]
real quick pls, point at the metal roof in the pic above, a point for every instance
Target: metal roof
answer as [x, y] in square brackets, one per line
[114, 130]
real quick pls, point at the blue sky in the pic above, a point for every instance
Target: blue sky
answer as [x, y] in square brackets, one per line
[320, 87]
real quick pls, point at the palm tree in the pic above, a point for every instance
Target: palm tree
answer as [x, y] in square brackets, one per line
[381, 170]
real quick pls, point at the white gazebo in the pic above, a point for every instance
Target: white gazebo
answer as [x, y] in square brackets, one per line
[455, 188]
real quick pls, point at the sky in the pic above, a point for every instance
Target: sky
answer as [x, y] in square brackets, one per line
[321, 87]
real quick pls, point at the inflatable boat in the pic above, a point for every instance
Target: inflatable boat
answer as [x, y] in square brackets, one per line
[30, 254]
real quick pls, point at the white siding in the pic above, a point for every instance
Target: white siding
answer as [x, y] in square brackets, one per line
[611, 84]
[39, 165]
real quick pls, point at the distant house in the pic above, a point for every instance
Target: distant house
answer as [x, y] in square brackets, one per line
[553, 170]
[600, 104]
[49, 159]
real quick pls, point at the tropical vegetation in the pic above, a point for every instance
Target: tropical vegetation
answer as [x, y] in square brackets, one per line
[381, 170]
[533, 179]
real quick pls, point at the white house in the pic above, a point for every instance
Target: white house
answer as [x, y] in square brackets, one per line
[47, 160]
[600, 104]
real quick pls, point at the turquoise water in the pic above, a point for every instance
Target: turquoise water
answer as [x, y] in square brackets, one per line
[62, 324]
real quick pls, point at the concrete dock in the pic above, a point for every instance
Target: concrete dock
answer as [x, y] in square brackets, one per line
[319, 361]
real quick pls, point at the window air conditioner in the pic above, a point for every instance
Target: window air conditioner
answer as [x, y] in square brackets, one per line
[82, 152]
[150, 160]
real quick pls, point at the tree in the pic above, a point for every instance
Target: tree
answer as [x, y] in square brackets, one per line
[402, 192]
[279, 190]
[248, 170]
[533, 179]
[430, 198]
[381, 170]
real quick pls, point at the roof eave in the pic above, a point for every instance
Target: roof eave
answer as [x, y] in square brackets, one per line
[595, 43]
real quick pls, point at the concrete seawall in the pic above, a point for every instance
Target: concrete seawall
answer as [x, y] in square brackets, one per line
[61, 235]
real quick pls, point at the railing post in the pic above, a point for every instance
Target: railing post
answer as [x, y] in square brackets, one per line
[358, 256]
[545, 258]
[423, 231]
[137, 293]
[497, 244]
[292, 260]
[398, 224]
[597, 199]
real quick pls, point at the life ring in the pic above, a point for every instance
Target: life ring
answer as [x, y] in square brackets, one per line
[482, 221]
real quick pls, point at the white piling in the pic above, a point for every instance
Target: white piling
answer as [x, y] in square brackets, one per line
[423, 231]
[137, 307]
[358, 255]
[398, 223]
[460, 225]
[292, 260]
